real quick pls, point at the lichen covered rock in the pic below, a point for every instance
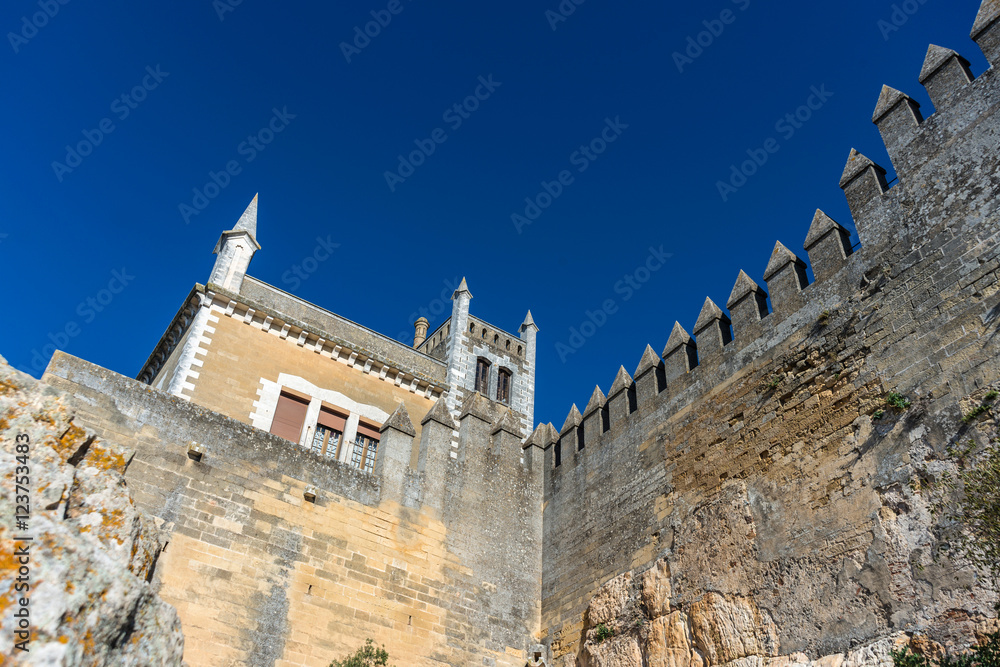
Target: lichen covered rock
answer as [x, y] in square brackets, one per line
[92, 551]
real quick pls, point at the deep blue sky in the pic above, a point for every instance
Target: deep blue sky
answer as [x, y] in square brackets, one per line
[323, 176]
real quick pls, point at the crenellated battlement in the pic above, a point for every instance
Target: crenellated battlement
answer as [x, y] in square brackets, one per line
[950, 151]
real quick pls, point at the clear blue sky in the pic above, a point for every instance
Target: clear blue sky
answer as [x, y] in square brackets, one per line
[211, 83]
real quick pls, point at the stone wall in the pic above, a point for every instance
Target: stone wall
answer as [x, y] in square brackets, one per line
[76, 570]
[439, 562]
[765, 464]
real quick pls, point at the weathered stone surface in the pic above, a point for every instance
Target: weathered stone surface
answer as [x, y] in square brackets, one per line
[610, 601]
[729, 628]
[669, 643]
[615, 652]
[656, 589]
[92, 551]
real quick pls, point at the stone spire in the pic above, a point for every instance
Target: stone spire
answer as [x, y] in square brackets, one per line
[248, 221]
[235, 248]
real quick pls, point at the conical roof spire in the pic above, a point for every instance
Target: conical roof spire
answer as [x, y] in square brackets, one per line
[529, 321]
[463, 288]
[248, 221]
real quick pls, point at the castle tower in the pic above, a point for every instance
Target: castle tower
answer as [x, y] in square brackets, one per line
[458, 357]
[529, 332]
[235, 248]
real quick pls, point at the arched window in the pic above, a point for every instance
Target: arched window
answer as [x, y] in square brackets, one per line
[496, 339]
[482, 376]
[484, 333]
[504, 382]
[519, 350]
[472, 328]
[508, 343]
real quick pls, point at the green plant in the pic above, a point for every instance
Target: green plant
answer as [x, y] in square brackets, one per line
[976, 411]
[824, 317]
[775, 382]
[897, 401]
[366, 656]
[969, 508]
[991, 394]
[986, 654]
[878, 414]
[603, 633]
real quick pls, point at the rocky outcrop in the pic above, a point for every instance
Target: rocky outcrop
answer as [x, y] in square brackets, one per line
[91, 552]
[632, 622]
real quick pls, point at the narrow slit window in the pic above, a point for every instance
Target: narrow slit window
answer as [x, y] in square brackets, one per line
[482, 376]
[503, 386]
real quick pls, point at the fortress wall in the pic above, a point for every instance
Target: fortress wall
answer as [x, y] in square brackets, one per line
[439, 563]
[754, 460]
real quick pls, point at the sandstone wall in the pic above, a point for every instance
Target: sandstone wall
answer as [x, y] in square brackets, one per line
[440, 563]
[774, 475]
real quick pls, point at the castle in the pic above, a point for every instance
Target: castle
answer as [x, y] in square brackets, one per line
[747, 497]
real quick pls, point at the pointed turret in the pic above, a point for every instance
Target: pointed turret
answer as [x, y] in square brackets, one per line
[596, 402]
[235, 248]
[712, 331]
[828, 244]
[986, 30]
[944, 73]
[394, 449]
[400, 420]
[898, 118]
[647, 362]
[747, 305]
[649, 379]
[621, 383]
[439, 413]
[248, 221]
[573, 420]
[459, 358]
[529, 323]
[529, 334]
[507, 423]
[680, 354]
[463, 289]
[862, 181]
[786, 278]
